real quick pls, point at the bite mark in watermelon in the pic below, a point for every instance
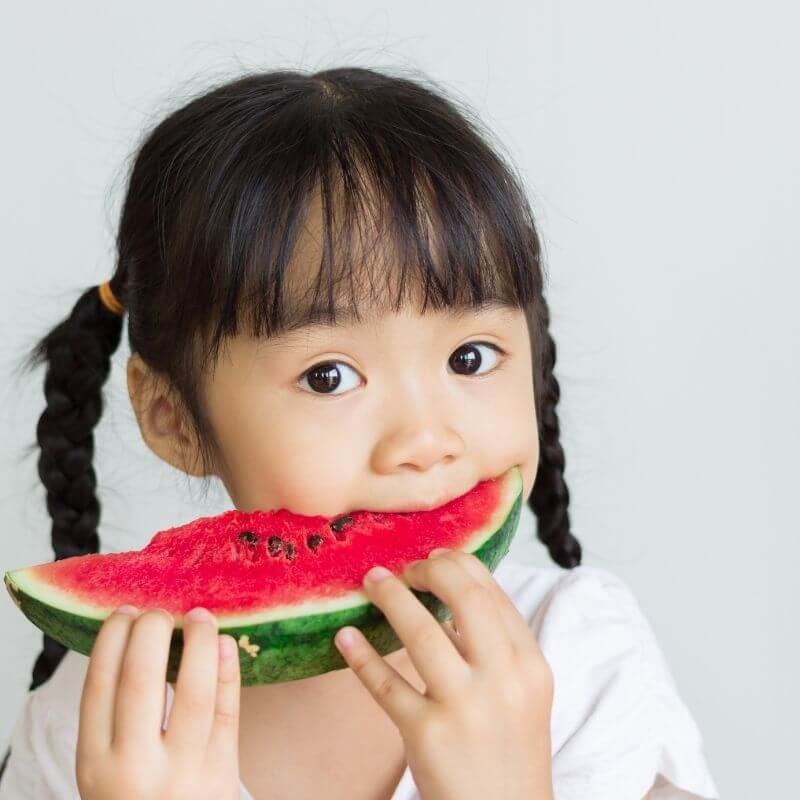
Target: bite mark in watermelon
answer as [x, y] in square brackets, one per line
[281, 584]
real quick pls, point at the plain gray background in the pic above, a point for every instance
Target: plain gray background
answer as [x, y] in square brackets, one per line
[658, 142]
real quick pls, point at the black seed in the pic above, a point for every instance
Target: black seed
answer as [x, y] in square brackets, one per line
[249, 537]
[274, 545]
[314, 541]
[341, 523]
[289, 551]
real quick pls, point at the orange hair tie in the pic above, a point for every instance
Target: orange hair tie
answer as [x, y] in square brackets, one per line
[108, 299]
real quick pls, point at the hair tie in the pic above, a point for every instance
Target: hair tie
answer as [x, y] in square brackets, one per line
[108, 299]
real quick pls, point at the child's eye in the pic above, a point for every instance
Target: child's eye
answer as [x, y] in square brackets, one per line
[326, 377]
[323, 378]
[467, 360]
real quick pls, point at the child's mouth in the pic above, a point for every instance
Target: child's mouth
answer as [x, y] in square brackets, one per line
[435, 503]
[431, 505]
[416, 505]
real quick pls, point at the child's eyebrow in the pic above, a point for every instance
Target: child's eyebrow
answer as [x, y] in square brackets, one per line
[317, 318]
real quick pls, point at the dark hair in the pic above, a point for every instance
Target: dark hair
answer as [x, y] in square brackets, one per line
[215, 199]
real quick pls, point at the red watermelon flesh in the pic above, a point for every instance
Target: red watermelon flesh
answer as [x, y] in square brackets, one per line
[283, 581]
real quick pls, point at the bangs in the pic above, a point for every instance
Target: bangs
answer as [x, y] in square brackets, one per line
[357, 215]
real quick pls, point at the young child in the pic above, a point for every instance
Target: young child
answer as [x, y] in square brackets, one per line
[334, 297]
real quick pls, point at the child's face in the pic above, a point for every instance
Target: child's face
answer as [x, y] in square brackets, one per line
[402, 426]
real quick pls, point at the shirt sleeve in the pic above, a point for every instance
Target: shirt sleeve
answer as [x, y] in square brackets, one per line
[619, 728]
[41, 765]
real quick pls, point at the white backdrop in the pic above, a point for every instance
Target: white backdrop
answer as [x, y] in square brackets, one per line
[659, 146]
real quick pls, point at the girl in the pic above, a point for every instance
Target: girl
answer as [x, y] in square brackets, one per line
[335, 302]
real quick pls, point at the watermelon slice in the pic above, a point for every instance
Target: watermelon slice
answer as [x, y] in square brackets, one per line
[281, 584]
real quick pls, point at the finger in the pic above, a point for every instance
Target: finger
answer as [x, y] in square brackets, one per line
[484, 638]
[224, 740]
[452, 634]
[192, 713]
[437, 661]
[140, 695]
[516, 625]
[390, 690]
[96, 716]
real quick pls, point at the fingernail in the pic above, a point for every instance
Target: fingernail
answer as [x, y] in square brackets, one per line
[378, 574]
[200, 614]
[438, 551]
[128, 609]
[345, 638]
[227, 648]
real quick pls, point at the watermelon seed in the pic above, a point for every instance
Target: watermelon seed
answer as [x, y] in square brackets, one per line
[289, 551]
[341, 522]
[274, 545]
[249, 537]
[338, 525]
[314, 541]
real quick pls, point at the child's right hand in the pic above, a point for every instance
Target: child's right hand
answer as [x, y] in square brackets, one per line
[122, 753]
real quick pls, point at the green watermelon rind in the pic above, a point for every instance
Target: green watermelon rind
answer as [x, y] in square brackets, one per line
[299, 643]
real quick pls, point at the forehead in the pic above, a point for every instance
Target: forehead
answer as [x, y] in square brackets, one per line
[353, 247]
[355, 264]
[345, 317]
[344, 257]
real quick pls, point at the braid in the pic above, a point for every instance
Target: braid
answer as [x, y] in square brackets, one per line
[550, 496]
[78, 357]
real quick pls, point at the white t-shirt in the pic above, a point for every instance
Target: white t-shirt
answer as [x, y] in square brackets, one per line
[619, 729]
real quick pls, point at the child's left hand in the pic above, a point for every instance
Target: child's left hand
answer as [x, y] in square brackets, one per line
[482, 728]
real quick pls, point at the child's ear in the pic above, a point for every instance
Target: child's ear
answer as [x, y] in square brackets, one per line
[163, 426]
